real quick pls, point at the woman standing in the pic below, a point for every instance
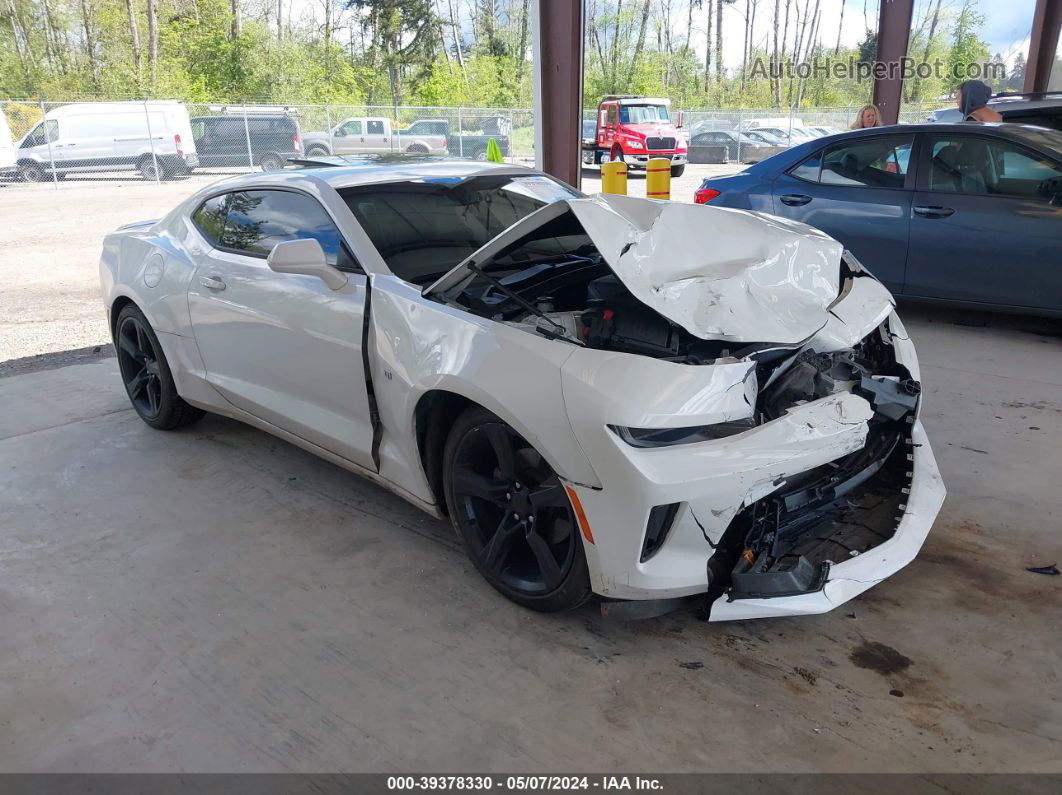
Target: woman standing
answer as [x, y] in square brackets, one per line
[868, 116]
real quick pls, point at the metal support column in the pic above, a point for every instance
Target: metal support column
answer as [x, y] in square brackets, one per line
[894, 30]
[1043, 44]
[557, 27]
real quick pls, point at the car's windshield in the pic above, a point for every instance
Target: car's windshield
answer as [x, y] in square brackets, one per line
[424, 228]
[639, 114]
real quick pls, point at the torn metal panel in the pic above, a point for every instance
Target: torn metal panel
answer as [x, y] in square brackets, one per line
[720, 274]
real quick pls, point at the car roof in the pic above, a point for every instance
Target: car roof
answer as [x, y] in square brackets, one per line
[348, 172]
[1030, 134]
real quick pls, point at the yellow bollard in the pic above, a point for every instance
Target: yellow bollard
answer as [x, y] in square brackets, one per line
[614, 178]
[658, 178]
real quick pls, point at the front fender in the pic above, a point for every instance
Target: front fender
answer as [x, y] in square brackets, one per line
[418, 345]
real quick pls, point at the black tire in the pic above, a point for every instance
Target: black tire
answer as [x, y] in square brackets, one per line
[152, 169]
[317, 151]
[272, 162]
[146, 374]
[491, 476]
[677, 171]
[417, 149]
[31, 172]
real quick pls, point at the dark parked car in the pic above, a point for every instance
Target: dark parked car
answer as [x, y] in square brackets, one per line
[966, 213]
[265, 140]
[740, 147]
[1043, 109]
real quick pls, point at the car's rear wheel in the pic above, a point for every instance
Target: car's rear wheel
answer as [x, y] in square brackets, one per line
[31, 173]
[146, 374]
[152, 170]
[513, 514]
[271, 162]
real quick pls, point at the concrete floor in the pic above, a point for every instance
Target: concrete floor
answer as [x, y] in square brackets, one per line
[217, 600]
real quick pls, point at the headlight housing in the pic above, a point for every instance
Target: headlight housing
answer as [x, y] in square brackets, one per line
[633, 144]
[669, 437]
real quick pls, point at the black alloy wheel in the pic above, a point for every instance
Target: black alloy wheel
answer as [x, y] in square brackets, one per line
[513, 514]
[146, 375]
[139, 363]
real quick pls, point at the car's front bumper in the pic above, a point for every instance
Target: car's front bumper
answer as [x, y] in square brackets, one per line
[713, 481]
[677, 159]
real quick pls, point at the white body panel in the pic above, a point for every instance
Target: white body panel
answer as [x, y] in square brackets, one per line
[7, 147]
[277, 349]
[110, 136]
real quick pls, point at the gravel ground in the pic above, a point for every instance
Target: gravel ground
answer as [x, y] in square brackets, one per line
[50, 246]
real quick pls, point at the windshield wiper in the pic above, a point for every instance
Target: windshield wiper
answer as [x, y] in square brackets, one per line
[559, 331]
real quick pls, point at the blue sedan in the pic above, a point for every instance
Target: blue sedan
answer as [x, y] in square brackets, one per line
[964, 213]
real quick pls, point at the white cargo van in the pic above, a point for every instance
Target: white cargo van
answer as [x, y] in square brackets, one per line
[155, 139]
[7, 150]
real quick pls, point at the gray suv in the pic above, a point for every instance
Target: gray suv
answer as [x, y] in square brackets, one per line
[1043, 109]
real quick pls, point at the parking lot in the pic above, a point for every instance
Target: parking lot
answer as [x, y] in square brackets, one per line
[216, 599]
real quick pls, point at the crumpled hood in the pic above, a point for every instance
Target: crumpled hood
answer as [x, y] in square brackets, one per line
[721, 274]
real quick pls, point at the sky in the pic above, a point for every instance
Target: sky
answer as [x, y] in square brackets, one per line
[1006, 28]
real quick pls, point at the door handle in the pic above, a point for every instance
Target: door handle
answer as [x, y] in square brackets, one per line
[212, 282]
[933, 211]
[794, 199]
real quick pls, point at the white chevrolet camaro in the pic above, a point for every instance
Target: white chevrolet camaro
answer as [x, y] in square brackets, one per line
[641, 400]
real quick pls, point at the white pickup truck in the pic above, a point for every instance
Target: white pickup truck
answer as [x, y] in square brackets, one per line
[361, 135]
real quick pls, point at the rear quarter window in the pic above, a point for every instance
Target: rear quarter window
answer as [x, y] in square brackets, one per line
[210, 218]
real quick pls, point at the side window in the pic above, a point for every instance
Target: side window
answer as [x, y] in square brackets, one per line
[875, 163]
[808, 169]
[611, 114]
[210, 218]
[259, 219]
[350, 128]
[375, 127]
[973, 165]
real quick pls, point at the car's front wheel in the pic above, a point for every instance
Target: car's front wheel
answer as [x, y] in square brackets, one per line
[677, 171]
[513, 514]
[146, 374]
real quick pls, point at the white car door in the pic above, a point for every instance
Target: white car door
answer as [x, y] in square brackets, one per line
[349, 137]
[378, 135]
[283, 347]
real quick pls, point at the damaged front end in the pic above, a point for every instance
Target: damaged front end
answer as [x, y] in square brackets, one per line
[741, 387]
[785, 543]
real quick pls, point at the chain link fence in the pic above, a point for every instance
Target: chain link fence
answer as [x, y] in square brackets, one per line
[163, 140]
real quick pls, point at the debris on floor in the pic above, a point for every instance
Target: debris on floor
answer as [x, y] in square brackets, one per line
[1051, 570]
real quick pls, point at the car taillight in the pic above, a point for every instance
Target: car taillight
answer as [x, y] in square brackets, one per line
[704, 195]
[177, 144]
[296, 142]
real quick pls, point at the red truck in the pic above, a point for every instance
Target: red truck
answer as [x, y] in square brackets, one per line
[634, 129]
